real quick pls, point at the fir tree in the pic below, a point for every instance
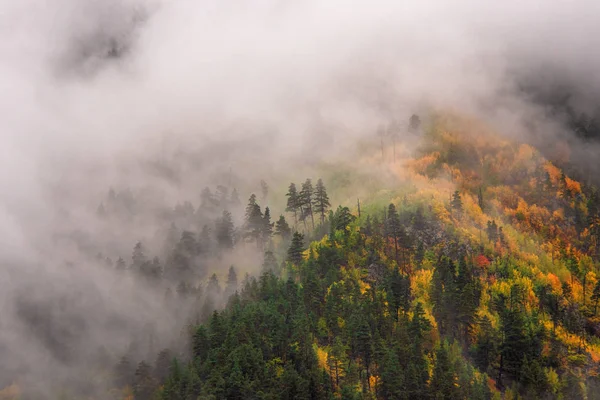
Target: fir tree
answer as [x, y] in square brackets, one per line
[456, 202]
[235, 198]
[267, 226]
[282, 228]
[306, 200]
[225, 231]
[321, 200]
[296, 249]
[232, 282]
[138, 257]
[269, 262]
[254, 225]
[293, 202]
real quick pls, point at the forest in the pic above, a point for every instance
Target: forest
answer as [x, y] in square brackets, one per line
[475, 276]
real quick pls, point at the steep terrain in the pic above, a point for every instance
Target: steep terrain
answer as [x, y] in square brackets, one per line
[449, 264]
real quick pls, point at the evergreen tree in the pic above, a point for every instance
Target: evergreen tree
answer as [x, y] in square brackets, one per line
[456, 202]
[138, 257]
[443, 380]
[293, 202]
[596, 296]
[123, 374]
[269, 262]
[267, 230]
[255, 224]
[305, 198]
[225, 231]
[296, 249]
[212, 287]
[235, 198]
[162, 364]
[144, 385]
[321, 200]
[232, 282]
[395, 230]
[120, 265]
[282, 228]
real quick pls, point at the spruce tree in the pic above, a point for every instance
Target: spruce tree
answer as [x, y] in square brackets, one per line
[254, 225]
[120, 265]
[269, 262]
[306, 200]
[143, 386]
[321, 201]
[138, 257]
[267, 226]
[282, 228]
[394, 228]
[293, 202]
[225, 231]
[232, 282]
[296, 249]
[456, 202]
[235, 198]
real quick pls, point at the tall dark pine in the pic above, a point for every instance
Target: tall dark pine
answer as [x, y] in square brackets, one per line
[267, 226]
[456, 202]
[296, 248]
[306, 200]
[321, 201]
[225, 231]
[293, 202]
[414, 123]
[254, 227]
[394, 227]
[282, 228]
[235, 198]
[138, 258]
[232, 282]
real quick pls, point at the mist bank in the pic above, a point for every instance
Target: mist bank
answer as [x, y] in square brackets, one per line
[164, 98]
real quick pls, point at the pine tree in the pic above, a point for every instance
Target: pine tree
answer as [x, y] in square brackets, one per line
[207, 199]
[267, 226]
[480, 199]
[596, 296]
[414, 123]
[120, 265]
[269, 262]
[293, 202]
[306, 200]
[456, 202]
[254, 225]
[296, 249]
[225, 231]
[443, 380]
[235, 198]
[321, 201]
[394, 228]
[282, 228]
[212, 287]
[161, 366]
[138, 257]
[143, 386]
[232, 282]
[123, 374]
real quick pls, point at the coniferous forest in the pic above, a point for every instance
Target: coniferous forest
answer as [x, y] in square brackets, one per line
[474, 276]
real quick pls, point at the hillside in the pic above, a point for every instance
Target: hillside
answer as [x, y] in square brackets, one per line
[465, 267]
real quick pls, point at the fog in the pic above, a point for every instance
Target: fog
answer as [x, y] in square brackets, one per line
[167, 97]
